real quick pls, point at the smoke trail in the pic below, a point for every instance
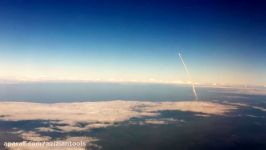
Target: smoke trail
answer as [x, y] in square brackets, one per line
[189, 77]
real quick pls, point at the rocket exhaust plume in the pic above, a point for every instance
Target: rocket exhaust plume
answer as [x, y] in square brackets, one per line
[189, 77]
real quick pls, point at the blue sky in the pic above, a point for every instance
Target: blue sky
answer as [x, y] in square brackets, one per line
[221, 41]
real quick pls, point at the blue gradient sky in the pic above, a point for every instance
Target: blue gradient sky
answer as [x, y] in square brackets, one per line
[221, 41]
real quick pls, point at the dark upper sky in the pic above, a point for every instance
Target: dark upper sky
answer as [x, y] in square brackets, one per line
[221, 41]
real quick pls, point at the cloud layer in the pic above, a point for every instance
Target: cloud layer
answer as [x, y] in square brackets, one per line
[98, 114]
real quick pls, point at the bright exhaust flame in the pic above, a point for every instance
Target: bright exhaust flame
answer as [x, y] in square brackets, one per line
[189, 77]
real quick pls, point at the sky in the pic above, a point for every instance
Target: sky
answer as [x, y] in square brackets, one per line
[222, 42]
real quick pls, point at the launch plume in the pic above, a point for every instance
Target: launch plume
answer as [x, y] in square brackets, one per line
[189, 77]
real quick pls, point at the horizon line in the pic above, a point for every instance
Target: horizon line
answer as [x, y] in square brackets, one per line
[176, 82]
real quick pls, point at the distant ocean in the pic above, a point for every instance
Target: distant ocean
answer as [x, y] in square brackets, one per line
[80, 92]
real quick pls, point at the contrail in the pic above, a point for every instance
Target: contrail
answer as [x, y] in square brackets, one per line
[189, 77]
